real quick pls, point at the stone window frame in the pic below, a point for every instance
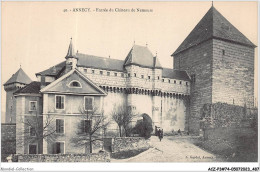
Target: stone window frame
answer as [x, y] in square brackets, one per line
[101, 72]
[63, 125]
[84, 105]
[64, 150]
[93, 71]
[142, 76]
[129, 75]
[36, 144]
[169, 81]
[163, 80]
[187, 83]
[135, 75]
[73, 81]
[30, 106]
[83, 130]
[115, 74]
[122, 75]
[174, 81]
[63, 102]
[158, 77]
[180, 82]
[149, 77]
[85, 70]
[108, 73]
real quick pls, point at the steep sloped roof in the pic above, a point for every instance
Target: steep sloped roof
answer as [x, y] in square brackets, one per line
[175, 74]
[140, 55]
[54, 70]
[71, 53]
[33, 87]
[19, 77]
[213, 25]
[100, 62]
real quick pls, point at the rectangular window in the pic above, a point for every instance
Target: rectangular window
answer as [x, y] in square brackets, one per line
[135, 74]
[33, 149]
[108, 73]
[169, 81]
[33, 105]
[149, 77]
[85, 70]
[85, 126]
[129, 75]
[115, 74]
[180, 82]
[101, 72]
[93, 71]
[59, 148]
[142, 76]
[223, 52]
[88, 102]
[174, 81]
[162, 80]
[59, 126]
[59, 102]
[122, 74]
[186, 83]
[32, 131]
[158, 78]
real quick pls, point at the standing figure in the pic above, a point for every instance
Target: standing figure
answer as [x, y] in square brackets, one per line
[160, 134]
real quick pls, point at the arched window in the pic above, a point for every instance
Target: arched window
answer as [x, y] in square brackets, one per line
[75, 84]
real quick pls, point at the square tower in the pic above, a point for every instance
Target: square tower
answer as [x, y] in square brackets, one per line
[220, 61]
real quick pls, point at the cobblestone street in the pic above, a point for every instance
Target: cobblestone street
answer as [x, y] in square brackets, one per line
[172, 149]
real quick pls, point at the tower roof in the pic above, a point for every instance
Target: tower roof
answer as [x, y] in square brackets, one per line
[19, 77]
[140, 55]
[71, 53]
[213, 25]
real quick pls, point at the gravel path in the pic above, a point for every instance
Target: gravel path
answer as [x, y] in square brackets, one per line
[172, 149]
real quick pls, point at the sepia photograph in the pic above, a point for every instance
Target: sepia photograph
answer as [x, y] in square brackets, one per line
[129, 82]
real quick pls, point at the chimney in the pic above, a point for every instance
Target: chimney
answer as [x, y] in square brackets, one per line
[43, 83]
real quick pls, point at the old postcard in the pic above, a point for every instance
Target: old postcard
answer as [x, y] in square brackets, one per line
[121, 82]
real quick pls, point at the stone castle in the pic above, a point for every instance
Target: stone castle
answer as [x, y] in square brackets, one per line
[215, 63]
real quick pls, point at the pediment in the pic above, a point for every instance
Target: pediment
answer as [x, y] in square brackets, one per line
[74, 82]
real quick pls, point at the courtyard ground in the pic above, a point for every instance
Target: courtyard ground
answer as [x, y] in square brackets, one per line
[173, 149]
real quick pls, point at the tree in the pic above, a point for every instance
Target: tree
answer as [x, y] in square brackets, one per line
[123, 116]
[90, 128]
[32, 129]
[144, 127]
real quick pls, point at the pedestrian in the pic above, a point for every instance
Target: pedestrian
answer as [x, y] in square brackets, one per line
[160, 134]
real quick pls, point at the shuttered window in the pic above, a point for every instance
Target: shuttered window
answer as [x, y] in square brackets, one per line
[89, 103]
[59, 126]
[59, 148]
[59, 102]
[85, 126]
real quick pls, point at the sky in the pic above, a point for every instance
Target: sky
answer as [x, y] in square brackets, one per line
[36, 35]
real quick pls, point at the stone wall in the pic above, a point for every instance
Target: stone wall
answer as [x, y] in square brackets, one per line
[129, 143]
[137, 81]
[233, 73]
[8, 140]
[197, 61]
[94, 157]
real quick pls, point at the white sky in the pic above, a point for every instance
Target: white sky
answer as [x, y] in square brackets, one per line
[37, 34]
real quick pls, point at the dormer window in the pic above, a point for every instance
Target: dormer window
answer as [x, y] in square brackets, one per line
[75, 84]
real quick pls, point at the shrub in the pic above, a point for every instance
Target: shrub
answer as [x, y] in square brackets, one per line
[144, 127]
